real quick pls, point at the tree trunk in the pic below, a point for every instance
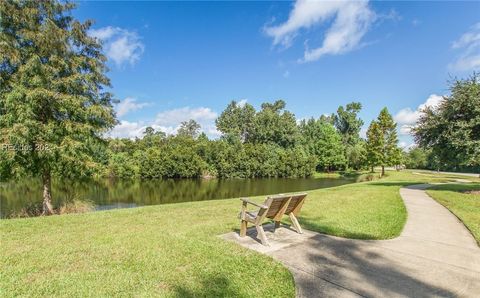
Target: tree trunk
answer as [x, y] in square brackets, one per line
[383, 171]
[373, 169]
[47, 193]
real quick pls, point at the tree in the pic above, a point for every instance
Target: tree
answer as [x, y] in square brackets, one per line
[391, 154]
[122, 165]
[375, 144]
[416, 158]
[328, 119]
[189, 129]
[176, 158]
[151, 138]
[452, 128]
[347, 122]
[323, 141]
[356, 155]
[382, 142]
[348, 125]
[52, 89]
[274, 125]
[149, 131]
[236, 120]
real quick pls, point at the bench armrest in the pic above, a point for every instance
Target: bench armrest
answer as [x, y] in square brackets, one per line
[245, 200]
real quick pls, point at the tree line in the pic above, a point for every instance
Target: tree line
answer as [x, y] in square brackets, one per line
[264, 143]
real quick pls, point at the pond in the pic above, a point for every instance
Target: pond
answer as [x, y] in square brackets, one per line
[115, 193]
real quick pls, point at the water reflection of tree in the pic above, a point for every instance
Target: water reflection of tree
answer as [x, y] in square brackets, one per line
[15, 195]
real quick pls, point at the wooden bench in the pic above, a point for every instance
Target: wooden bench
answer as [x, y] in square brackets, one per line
[273, 208]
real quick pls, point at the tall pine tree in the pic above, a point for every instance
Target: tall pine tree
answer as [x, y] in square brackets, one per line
[382, 140]
[52, 90]
[374, 144]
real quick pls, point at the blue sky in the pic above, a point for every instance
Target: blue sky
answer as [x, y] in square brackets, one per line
[171, 61]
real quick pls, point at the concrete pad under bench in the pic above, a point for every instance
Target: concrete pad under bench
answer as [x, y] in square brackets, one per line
[282, 237]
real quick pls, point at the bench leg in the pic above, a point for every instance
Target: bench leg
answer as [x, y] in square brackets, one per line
[243, 228]
[295, 223]
[261, 235]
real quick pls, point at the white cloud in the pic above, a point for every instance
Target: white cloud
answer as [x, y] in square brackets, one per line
[469, 43]
[169, 122]
[432, 101]
[103, 33]
[406, 118]
[407, 115]
[176, 116]
[129, 104]
[286, 74]
[212, 131]
[405, 129]
[132, 130]
[120, 45]
[352, 21]
[406, 145]
[472, 36]
[126, 129]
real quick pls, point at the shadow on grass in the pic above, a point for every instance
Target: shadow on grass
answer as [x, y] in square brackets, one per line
[211, 286]
[396, 183]
[314, 224]
[460, 188]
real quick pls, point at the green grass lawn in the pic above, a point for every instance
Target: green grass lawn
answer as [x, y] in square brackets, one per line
[173, 250]
[464, 206]
[360, 211]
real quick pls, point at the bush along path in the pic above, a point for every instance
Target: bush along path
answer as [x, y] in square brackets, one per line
[435, 255]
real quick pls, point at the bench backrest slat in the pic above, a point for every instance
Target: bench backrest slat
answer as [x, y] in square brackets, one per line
[277, 203]
[295, 203]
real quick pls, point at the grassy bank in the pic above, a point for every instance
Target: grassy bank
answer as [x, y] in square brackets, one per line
[173, 250]
[464, 205]
[357, 176]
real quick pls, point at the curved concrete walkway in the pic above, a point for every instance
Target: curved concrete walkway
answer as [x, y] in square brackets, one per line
[435, 255]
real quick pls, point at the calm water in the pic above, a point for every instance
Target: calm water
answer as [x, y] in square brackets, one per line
[109, 193]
